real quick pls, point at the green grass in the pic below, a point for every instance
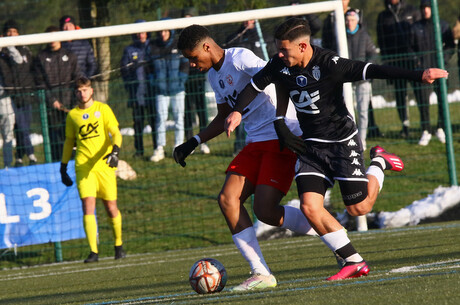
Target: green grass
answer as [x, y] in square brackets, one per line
[413, 265]
[169, 207]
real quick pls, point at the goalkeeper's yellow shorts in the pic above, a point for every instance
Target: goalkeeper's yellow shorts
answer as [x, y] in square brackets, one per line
[99, 184]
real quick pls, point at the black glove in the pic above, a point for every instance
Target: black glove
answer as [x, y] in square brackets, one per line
[288, 139]
[112, 158]
[64, 176]
[182, 151]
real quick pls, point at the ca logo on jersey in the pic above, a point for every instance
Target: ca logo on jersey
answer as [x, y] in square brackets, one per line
[305, 102]
[89, 131]
[301, 80]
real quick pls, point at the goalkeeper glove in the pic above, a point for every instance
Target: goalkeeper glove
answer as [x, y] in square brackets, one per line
[182, 151]
[112, 158]
[287, 139]
[64, 176]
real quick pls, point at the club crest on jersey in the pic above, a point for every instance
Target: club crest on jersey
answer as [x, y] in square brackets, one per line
[301, 80]
[335, 59]
[97, 114]
[229, 79]
[316, 72]
[65, 58]
[85, 116]
[221, 84]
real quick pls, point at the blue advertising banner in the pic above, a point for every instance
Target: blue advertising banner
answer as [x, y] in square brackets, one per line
[36, 208]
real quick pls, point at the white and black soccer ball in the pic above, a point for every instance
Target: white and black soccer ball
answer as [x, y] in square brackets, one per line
[208, 275]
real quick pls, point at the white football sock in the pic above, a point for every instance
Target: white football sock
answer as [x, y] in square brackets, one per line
[337, 240]
[377, 172]
[246, 241]
[296, 221]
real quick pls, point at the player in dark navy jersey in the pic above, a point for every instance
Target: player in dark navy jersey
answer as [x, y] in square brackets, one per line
[330, 148]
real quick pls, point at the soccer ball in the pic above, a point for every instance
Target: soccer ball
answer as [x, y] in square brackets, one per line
[207, 275]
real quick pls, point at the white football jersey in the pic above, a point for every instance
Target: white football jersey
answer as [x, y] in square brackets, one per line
[239, 66]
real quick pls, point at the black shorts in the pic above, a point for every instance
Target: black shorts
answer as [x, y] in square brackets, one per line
[325, 163]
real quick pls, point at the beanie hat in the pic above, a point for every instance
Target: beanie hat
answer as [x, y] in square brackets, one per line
[65, 19]
[353, 12]
[10, 24]
[425, 3]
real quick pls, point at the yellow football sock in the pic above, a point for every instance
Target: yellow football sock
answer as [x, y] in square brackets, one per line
[116, 227]
[90, 225]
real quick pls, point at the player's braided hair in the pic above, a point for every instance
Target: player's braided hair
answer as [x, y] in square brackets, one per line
[191, 36]
[292, 29]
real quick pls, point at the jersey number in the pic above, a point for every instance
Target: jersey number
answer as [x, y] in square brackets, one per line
[305, 102]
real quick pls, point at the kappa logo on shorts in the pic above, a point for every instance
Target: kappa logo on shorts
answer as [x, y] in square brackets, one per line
[355, 162]
[352, 143]
[357, 172]
[353, 154]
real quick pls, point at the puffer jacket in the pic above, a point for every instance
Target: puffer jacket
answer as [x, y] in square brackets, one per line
[85, 56]
[134, 69]
[169, 67]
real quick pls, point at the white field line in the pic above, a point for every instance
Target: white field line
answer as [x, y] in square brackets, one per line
[57, 269]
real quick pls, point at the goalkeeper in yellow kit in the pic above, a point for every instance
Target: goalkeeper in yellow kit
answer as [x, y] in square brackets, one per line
[94, 128]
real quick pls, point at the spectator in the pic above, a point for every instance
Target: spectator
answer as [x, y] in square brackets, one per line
[393, 28]
[56, 71]
[6, 115]
[134, 66]
[360, 47]
[81, 48]
[23, 93]
[423, 44]
[170, 70]
[195, 97]
[329, 40]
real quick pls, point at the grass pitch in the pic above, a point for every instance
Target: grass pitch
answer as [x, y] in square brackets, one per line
[411, 265]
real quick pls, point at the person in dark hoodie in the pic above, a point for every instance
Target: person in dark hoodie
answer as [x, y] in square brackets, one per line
[56, 70]
[22, 92]
[360, 47]
[423, 45]
[135, 72]
[393, 29]
[81, 48]
[170, 72]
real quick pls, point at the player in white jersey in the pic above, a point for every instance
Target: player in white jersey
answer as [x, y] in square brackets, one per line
[260, 168]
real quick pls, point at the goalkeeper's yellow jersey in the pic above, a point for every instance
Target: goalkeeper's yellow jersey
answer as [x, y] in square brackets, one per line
[93, 130]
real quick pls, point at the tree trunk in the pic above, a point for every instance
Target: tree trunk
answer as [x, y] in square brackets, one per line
[100, 12]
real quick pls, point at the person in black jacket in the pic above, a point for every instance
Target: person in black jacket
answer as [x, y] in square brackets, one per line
[23, 93]
[393, 28]
[56, 71]
[360, 47]
[329, 40]
[423, 45]
[81, 48]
